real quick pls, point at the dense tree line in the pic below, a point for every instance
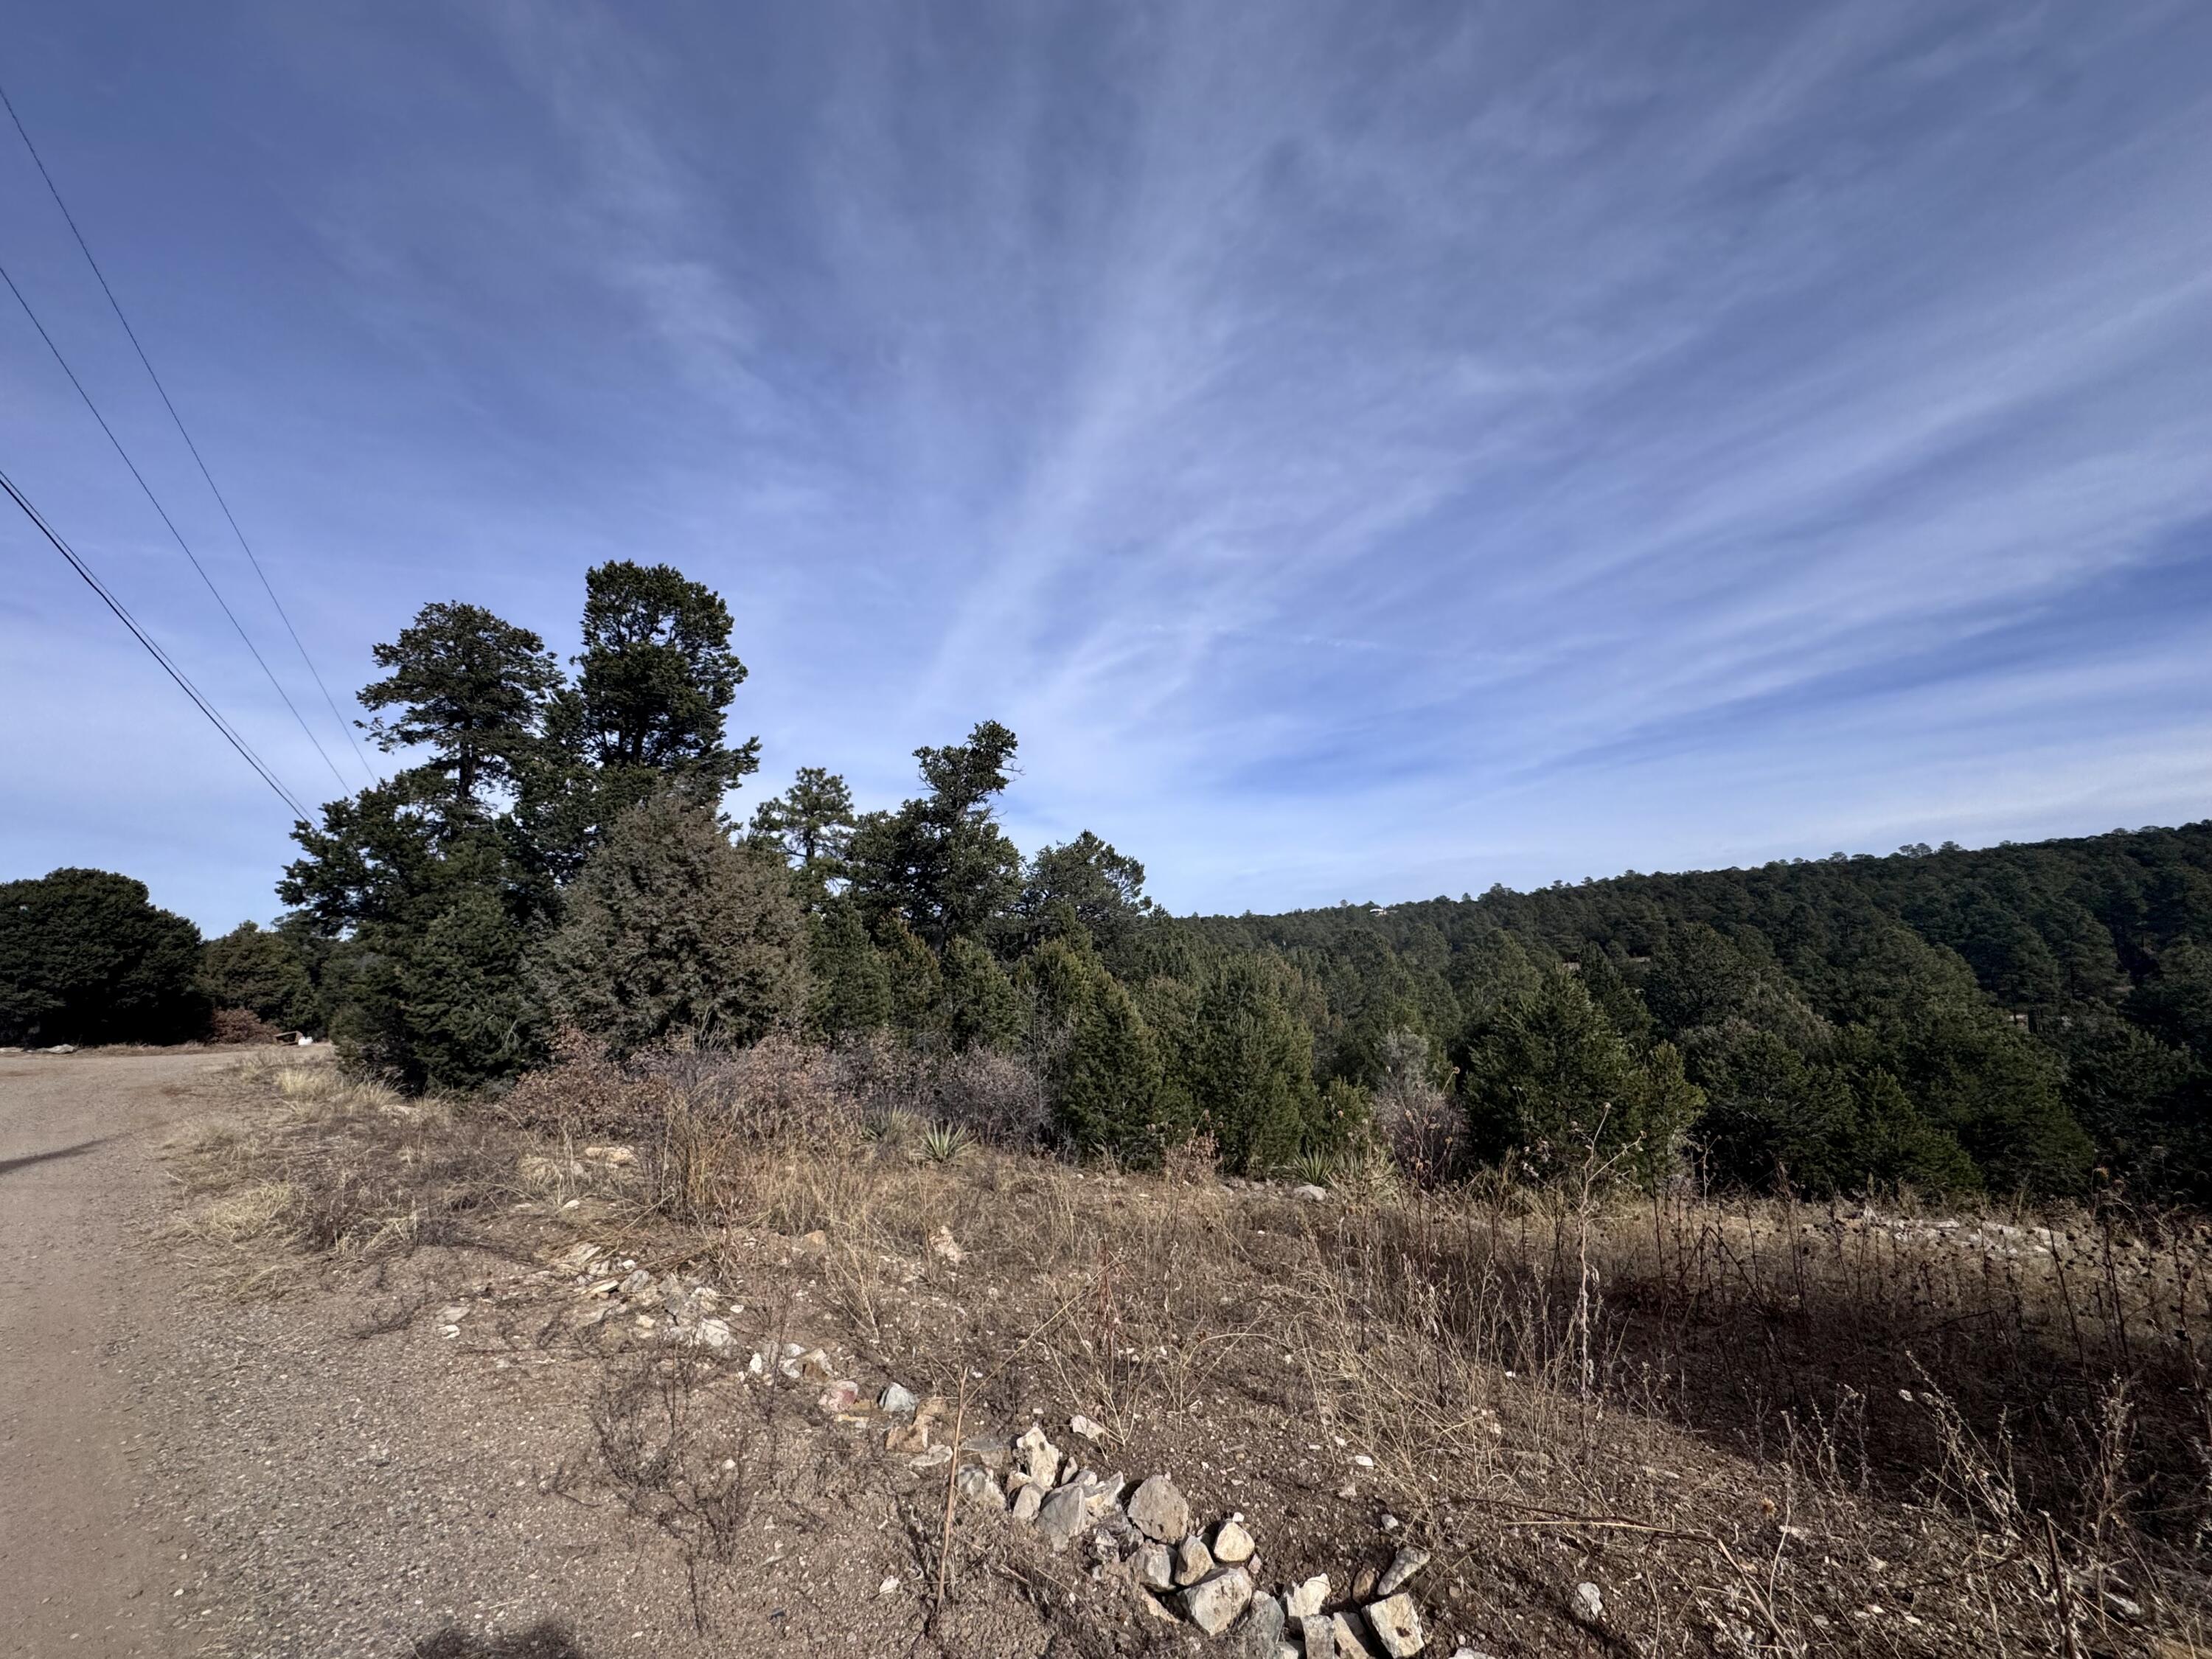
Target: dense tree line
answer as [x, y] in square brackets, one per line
[2032, 1016]
[555, 856]
[555, 853]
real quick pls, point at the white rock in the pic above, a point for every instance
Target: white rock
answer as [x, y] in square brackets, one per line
[1589, 1605]
[1040, 1458]
[1263, 1630]
[1397, 1625]
[1027, 1502]
[1214, 1603]
[1160, 1510]
[897, 1401]
[1084, 1426]
[1232, 1545]
[1350, 1644]
[1403, 1566]
[1062, 1515]
[1318, 1632]
[1155, 1565]
[1193, 1560]
[1306, 1601]
[976, 1485]
[1311, 1193]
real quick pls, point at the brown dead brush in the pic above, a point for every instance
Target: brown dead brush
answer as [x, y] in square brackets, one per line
[1772, 1428]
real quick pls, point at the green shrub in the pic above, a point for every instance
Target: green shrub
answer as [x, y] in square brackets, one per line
[671, 931]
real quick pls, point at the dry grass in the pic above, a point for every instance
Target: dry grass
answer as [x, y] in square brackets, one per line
[1763, 1428]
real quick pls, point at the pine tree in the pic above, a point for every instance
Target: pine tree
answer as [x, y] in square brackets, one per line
[469, 688]
[86, 957]
[852, 991]
[916, 983]
[981, 1008]
[940, 863]
[1548, 1081]
[262, 971]
[1249, 1073]
[673, 932]
[465, 1007]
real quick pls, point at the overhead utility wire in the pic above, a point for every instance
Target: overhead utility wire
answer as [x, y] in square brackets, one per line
[116, 305]
[193, 558]
[183, 684]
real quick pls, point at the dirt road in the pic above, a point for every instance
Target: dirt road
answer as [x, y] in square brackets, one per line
[88, 1564]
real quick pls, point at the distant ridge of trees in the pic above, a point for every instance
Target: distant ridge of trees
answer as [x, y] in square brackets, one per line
[2033, 1015]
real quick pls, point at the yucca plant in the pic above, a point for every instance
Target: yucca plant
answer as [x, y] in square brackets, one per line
[1364, 1174]
[891, 1129]
[945, 1143]
[1312, 1168]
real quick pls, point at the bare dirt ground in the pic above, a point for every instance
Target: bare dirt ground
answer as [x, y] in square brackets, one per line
[90, 1562]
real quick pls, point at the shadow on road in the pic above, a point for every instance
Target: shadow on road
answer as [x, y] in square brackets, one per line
[548, 1640]
[29, 1159]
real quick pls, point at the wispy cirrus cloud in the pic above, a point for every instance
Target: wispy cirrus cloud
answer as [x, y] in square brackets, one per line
[1362, 449]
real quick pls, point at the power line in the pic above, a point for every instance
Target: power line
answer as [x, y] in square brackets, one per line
[84, 247]
[190, 556]
[184, 682]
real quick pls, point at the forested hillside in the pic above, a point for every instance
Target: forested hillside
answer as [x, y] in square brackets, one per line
[555, 864]
[2024, 1015]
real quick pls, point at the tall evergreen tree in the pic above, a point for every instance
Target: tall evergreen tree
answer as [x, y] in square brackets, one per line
[1103, 889]
[981, 1008]
[1249, 1072]
[469, 688]
[852, 990]
[646, 711]
[940, 863]
[811, 826]
[1549, 1082]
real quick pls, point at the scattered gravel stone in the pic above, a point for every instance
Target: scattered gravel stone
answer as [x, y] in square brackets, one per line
[840, 1396]
[1214, 1603]
[1589, 1604]
[1403, 1566]
[1084, 1426]
[1160, 1510]
[1397, 1625]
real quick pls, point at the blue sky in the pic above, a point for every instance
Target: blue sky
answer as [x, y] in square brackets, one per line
[1371, 450]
